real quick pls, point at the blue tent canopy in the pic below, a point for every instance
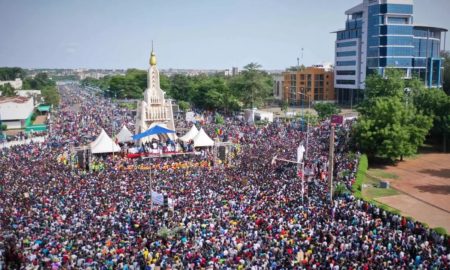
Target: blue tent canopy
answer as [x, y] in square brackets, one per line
[152, 131]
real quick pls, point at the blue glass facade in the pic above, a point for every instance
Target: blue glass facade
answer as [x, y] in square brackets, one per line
[390, 40]
[393, 41]
[389, 43]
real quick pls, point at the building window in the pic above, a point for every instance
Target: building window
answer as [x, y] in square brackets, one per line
[345, 63]
[397, 20]
[347, 53]
[302, 77]
[345, 81]
[346, 44]
[396, 30]
[395, 62]
[396, 40]
[396, 8]
[345, 72]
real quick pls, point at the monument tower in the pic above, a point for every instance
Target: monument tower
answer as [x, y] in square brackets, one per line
[155, 109]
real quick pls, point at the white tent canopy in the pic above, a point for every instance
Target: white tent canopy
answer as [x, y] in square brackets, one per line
[124, 135]
[202, 139]
[104, 144]
[190, 134]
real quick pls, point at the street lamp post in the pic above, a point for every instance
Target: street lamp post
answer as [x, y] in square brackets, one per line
[275, 158]
[307, 122]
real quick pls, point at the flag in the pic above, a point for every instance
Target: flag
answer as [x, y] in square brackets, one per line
[300, 151]
[157, 198]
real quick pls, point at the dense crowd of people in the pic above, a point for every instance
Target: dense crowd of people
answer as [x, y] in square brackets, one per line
[247, 215]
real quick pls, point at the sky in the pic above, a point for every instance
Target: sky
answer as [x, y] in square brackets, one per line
[196, 34]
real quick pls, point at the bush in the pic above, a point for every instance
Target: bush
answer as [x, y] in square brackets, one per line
[362, 168]
[219, 119]
[440, 230]
[339, 190]
[184, 106]
[3, 127]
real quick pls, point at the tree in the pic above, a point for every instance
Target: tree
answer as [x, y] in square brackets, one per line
[325, 110]
[252, 86]
[7, 90]
[51, 95]
[435, 104]
[389, 124]
[446, 75]
[284, 106]
[184, 106]
[39, 81]
[164, 82]
[11, 73]
[181, 88]
[124, 87]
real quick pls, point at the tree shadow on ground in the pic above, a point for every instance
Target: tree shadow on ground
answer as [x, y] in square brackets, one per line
[435, 189]
[444, 173]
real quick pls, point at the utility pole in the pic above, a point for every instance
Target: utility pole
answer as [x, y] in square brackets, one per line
[331, 164]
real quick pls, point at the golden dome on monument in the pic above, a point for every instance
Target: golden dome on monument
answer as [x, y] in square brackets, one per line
[153, 59]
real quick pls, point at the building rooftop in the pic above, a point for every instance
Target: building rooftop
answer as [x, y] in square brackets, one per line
[433, 27]
[15, 99]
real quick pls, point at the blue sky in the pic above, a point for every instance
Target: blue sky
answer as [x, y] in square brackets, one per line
[199, 34]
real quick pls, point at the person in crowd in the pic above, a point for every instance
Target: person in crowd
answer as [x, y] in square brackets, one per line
[245, 216]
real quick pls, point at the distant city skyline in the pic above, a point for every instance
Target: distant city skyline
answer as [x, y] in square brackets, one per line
[187, 34]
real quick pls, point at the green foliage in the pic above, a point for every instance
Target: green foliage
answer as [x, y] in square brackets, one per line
[40, 81]
[340, 189]
[435, 104]
[181, 87]
[311, 119]
[392, 85]
[252, 86]
[51, 95]
[363, 165]
[124, 87]
[325, 110]
[206, 92]
[390, 129]
[11, 73]
[33, 117]
[446, 74]
[390, 126]
[284, 106]
[3, 127]
[219, 119]
[440, 230]
[7, 90]
[47, 86]
[184, 106]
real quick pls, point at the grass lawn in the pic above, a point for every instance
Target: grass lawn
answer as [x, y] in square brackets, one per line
[371, 190]
[377, 173]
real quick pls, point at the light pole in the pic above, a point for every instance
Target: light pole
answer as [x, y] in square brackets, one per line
[307, 122]
[299, 161]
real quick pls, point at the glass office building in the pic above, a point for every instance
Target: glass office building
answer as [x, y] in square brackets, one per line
[381, 34]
